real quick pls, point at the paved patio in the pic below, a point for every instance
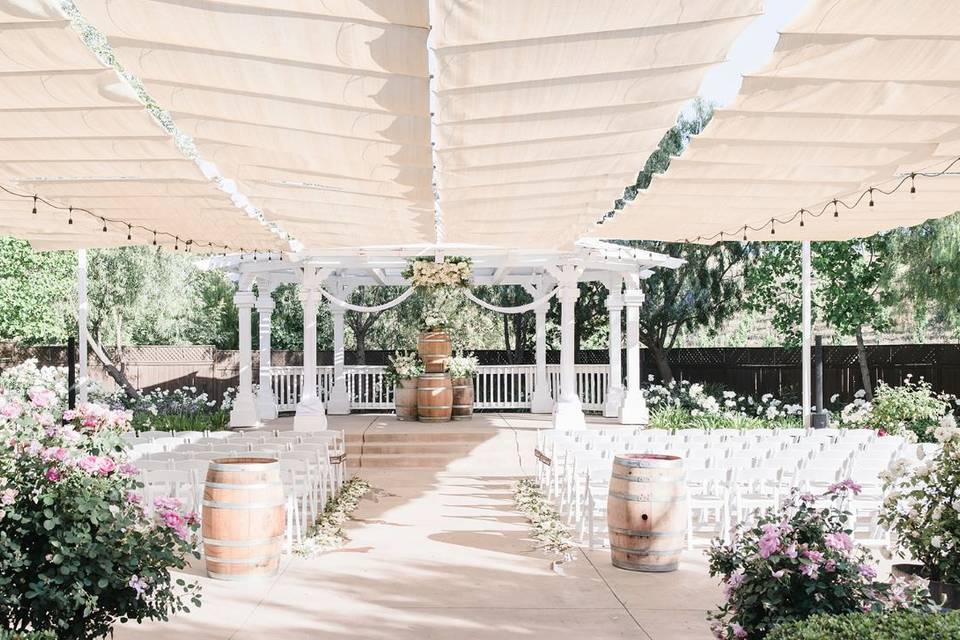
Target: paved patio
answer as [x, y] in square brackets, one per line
[440, 553]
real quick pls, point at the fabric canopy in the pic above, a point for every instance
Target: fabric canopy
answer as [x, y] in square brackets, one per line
[536, 116]
[75, 134]
[859, 94]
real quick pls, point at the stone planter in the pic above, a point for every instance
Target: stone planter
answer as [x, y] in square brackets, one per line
[462, 398]
[943, 592]
[405, 400]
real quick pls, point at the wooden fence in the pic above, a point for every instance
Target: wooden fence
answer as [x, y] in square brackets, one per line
[745, 370]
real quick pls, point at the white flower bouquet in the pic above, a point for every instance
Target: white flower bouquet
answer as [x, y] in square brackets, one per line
[425, 272]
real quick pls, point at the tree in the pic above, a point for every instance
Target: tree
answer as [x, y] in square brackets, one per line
[37, 293]
[852, 289]
[360, 324]
[929, 255]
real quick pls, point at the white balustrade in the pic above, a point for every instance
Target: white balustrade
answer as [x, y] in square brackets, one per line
[495, 386]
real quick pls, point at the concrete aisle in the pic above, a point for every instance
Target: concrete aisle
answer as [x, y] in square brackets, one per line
[441, 554]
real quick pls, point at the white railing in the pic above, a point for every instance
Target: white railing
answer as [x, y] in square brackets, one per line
[496, 387]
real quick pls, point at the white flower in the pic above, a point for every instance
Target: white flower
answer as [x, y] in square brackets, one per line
[936, 542]
[834, 397]
[860, 393]
[650, 377]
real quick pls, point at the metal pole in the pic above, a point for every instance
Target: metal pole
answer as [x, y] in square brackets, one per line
[806, 321]
[71, 373]
[820, 419]
[82, 308]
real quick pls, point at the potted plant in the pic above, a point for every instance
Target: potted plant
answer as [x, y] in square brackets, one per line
[796, 561]
[922, 510]
[462, 368]
[403, 369]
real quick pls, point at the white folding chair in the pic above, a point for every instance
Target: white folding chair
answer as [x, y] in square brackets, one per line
[708, 494]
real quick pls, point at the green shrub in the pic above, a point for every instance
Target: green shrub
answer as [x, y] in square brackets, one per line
[27, 635]
[892, 625]
[912, 406]
[679, 418]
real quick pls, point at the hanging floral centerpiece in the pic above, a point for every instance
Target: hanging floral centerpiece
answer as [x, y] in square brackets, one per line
[427, 273]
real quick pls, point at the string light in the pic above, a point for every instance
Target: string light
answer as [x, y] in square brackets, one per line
[176, 243]
[105, 221]
[867, 193]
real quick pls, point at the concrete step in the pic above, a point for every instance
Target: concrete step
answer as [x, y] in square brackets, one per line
[427, 437]
[407, 448]
[408, 461]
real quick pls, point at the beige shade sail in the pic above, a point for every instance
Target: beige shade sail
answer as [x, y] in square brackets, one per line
[74, 134]
[327, 112]
[859, 94]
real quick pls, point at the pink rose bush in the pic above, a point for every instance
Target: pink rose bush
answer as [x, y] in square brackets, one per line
[796, 561]
[69, 495]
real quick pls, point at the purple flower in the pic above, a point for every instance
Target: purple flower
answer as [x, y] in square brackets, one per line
[839, 541]
[134, 497]
[810, 570]
[867, 571]
[129, 469]
[813, 556]
[139, 585]
[779, 574]
[830, 566]
[791, 551]
[90, 464]
[738, 631]
[845, 485]
[52, 474]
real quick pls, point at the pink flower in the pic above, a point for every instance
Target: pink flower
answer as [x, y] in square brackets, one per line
[867, 571]
[46, 420]
[106, 466]
[810, 570]
[90, 464]
[845, 485]
[134, 497]
[40, 397]
[34, 448]
[52, 474]
[839, 541]
[193, 518]
[779, 574]
[791, 551]
[54, 453]
[11, 410]
[8, 496]
[172, 519]
[815, 557]
[70, 414]
[166, 504]
[129, 469]
[830, 566]
[738, 631]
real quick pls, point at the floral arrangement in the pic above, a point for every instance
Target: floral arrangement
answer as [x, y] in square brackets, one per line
[922, 506]
[428, 273]
[327, 533]
[548, 529]
[910, 409]
[797, 561]
[685, 405]
[79, 550]
[463, 366]
[403, 366]
[433, 318]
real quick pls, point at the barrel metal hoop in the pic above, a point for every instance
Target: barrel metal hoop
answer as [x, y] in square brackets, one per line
[242, 506]
[629, 498]
[647, 534]
[241, 561]
[241, 466]
[243, 487]
[649, 463]
[620, 476]
[643, 553]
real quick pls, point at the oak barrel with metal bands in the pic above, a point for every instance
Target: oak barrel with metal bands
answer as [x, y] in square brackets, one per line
[647, 511]
[405, 400]
[435, 349]
[462, 398]
[243, 518]
[434, 397]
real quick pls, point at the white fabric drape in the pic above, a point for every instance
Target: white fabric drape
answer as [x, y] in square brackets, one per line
[857, 94]
[374, 309]
[530, 306]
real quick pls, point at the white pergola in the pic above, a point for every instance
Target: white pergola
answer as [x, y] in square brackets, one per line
[621, 269]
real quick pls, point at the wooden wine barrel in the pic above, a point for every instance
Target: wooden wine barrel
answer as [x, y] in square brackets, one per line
[647, 511]
[462, 398]
[243, 518]
[405, 400]
[434, 348]
[434, 397]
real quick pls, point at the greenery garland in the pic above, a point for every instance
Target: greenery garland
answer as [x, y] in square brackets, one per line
[327, 533]
[550, 533]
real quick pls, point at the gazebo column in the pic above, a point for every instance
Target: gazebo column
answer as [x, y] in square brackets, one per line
[634, 407]
[542, 400]
[310, 415]
[339, 403]
[266, 403]
[244, 413]
[568, 411]
[611, 407]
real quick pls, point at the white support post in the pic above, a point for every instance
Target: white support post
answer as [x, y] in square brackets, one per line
[244, 413]
[614, 399]
[82, 309]
[568, 411]
[311, 415]
[266, 403]
[806, 331]
[634, 407]
[339, 403]
[542, 400]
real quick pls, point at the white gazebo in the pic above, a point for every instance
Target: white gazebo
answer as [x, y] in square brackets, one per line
[565, 391]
